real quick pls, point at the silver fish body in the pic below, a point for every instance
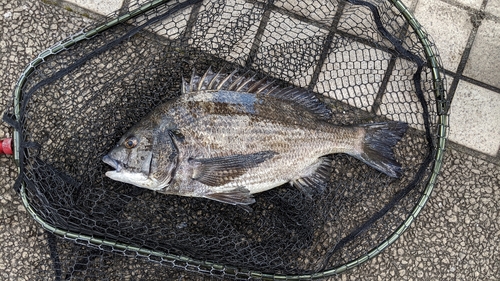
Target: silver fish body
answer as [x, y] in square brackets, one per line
[229, 136]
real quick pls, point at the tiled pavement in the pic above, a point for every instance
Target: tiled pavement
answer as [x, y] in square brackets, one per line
[467, 35]
[457, 235]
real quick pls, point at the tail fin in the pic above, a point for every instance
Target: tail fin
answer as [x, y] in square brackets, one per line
[377, 146]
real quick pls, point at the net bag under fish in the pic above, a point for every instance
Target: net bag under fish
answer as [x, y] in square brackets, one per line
[369, 61]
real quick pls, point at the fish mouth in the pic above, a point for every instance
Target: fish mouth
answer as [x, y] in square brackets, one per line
[112, 162]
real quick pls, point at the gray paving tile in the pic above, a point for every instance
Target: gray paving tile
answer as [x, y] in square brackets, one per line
[354, 74]
[449, 26]
[221, 32]
[318, 10]
[493, 7]
[171, 27]
[475, 118]
[456, 235]
[476, 4]
[398, 90]
[103, 7]
[26, 29]
[484, 59]
[358, 21]
[285, 34]
[410, 4]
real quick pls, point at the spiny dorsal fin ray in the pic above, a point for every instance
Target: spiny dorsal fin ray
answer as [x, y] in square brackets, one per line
[228, 78]
[214, 80]
[205, 79]
[244, 83]
[185, 86]
[193, 80]
[248, 83]
[260, 86]
[239, 80]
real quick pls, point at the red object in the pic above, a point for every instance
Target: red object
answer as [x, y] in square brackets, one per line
[6, 146]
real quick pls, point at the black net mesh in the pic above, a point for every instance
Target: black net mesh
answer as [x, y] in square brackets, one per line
[362, 58]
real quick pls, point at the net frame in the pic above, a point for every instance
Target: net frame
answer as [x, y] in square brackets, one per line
[442, 106]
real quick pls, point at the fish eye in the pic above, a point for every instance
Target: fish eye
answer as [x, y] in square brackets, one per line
[130, 142]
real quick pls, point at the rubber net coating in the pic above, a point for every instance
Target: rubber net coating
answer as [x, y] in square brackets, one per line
[362, 58]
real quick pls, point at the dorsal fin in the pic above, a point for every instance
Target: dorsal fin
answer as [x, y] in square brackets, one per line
[213, 82]
[304, 98]
[248, 83]
[204, 78]
[260, 86]
[224, 80]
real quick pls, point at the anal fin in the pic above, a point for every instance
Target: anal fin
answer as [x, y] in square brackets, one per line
[315, 177]
[237, 196]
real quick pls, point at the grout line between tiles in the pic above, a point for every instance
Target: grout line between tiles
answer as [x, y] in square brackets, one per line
[476, 17]
[327, 46]
[474, 153]
[383, 85]
[471, 10]
[257, 40]
[465, 55]
[77, 9]
[458, 76]
[473, 81]
[125, 4]
[388, 73]
[191, 21]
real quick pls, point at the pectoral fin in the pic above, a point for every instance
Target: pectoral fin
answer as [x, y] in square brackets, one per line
[218, 171]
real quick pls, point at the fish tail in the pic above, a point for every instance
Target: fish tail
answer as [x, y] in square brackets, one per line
[377, 147]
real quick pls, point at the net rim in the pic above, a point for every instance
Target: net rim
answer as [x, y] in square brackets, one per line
[442, 130]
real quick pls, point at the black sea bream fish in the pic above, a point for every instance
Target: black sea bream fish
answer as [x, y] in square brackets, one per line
[228, 136]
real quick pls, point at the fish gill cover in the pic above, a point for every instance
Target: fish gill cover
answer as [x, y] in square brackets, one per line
[364, 59]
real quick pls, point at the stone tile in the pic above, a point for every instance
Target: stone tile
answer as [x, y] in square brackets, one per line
[452, 239]
[322, 11]
[400, 102]
[171, 27]
[493, 7]
[285, 35]
[448, 26]
[353, 74]
[475, 118]
[103, 7]
[358, 20]
[484, 59]
[226, 31]
[410, 4]
[476, 4]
